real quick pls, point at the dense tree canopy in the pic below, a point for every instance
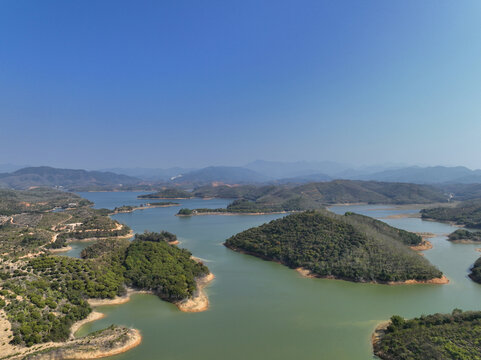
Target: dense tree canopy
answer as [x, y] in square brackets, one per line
[350, 247]
[438, 336]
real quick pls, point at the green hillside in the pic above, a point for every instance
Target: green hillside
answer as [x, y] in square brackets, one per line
[438, 336]
[350, 247]
[467, 213]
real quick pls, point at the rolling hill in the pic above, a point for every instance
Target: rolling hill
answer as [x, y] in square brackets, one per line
[64, 178]
[349, 247]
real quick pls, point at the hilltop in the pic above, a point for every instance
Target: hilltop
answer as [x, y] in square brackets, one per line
[350, 247]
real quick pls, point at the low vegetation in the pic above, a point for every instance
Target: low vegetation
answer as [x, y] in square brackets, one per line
[466, 213]
[350, 247]
[465, 235]
[438, 336]
[37, 200]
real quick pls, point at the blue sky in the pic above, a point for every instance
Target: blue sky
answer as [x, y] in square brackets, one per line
[97, 84]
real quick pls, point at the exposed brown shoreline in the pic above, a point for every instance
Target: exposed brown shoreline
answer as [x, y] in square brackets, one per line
[199, 302]
[425, 245]
[378, 333]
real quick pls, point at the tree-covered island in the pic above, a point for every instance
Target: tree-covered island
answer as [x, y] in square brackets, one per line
[350, 247]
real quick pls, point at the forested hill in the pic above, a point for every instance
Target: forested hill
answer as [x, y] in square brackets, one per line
[467, 213]
[350, 247]
[332, 192]
[276, 198]
[65, 178]
[438, 336]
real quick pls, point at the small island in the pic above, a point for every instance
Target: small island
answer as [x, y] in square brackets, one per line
[465, 236]
[351, 247]
[438, 336]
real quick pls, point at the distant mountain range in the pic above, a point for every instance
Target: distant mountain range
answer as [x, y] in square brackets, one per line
[427, 175]
[257, 172]
[221, 174]
[64, 178]
[151, 174]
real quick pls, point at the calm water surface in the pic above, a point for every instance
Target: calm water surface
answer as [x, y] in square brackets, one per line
[262, 310]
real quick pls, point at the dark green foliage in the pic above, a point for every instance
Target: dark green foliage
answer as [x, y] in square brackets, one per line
[157, 237]
[438, 336]
[463, 234]
[53, 295]
[165, 269]
[169, 193]
[475, 274]
[351, 247]
[79, 278]
[185, 211]
[104, 247]
[403, 236]
[467, 213]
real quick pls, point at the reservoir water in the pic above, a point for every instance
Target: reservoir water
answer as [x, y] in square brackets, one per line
[260, 310]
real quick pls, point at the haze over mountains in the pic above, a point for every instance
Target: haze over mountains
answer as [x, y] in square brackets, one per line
[257, 172]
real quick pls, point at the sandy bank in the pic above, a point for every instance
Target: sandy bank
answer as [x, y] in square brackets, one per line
[92, 317]
[425, 245]
[402, 216]
[118, 300]
[379, 332]
[464, 241]
[199, 302]
[438, 281]
[60, 250]
[109, 343]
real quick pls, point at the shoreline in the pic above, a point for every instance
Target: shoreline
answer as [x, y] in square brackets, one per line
[236, 213]
[93, 316]
[60, 250]
[199, 302]
[306, 273]
[464, 241]
[424, 245]
[377, 334]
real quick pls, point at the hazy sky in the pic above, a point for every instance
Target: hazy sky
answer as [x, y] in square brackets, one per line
[97, 84]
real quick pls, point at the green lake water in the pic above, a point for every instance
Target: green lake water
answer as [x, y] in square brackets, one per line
[260, 310]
